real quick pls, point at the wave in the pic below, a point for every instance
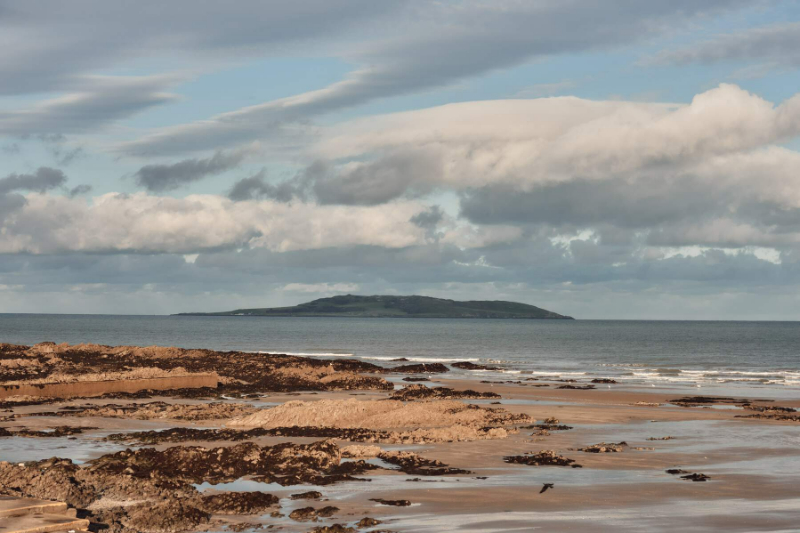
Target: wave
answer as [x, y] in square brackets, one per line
[419, 359]
[308, 354]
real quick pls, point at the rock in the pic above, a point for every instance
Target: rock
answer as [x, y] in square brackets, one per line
[395, 503]
[309, 513]
[357, 451]
[543, 458]
[466, 365]
[244, 526]
[413, 464]
[415, 379]
[694, 401]
[168, 517]
[286, 463]
[696, 477]
[604, 380]
[605, 447]
[310, 495]
[240, 503]
[421, 368]
[335, 528]
[676, 471]
[577, 387]
[421, 392]
[367, 522]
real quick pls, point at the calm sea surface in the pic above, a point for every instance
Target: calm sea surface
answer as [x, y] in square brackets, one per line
[730, 357]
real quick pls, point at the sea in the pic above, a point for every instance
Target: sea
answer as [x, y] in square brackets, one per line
[758, 359]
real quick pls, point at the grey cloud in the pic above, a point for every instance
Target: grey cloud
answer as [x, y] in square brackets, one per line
[396, 175]
[256, 188]
[430, 218]
[619, 202]
[160, 178]
[44, 179]
[388, 178]
[777, 44]
[435, 44]
[11, 149]
[48, 55]
[95, 102]
[79, 190]
[429, 221]
[217, 280]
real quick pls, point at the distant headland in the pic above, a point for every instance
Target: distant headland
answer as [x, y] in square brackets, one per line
[397, 307]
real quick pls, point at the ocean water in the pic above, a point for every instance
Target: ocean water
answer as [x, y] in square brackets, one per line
[757, 358]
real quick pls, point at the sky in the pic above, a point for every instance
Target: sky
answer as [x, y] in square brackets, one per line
[599, 158]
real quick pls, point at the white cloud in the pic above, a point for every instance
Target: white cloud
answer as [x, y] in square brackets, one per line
[151, 224]
[556, 139]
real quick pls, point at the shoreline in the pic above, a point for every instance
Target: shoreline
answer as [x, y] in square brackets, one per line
[452, 484]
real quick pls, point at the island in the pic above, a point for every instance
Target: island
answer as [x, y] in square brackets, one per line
[397, 307]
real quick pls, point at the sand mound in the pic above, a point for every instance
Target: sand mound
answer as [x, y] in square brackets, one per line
[165, 411]
[360, 451]
[138, 373]
[376, 414]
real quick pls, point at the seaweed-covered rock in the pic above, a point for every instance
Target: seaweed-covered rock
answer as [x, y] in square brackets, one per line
[421, 368]
[467, 365]
[310, 513]
[394, 503]
[421, 392]
[603, 447]
[241, 503]
[543, 458]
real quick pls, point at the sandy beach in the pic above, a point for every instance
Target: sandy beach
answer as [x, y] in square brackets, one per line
[367, 451]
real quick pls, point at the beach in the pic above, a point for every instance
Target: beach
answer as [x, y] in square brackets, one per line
[399, 446]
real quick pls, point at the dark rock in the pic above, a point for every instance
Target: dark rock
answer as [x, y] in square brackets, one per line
[310, 495]
[241, 503]
[309, 513]
[396, 503]
[543, 458]
[466, 365]
[696, 477]
[422, 368]
[412, 464]
[605, 447]
[368, 522]
[335, 528]
[421, 392]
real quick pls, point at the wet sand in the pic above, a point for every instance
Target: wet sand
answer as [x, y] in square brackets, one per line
[753, 464]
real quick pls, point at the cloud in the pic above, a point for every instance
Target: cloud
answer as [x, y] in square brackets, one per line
[468, 39]
[256, 188]
[44, 179]
[55, 43]
[79, 190]
[326, 288]
[564, 138]
[778, 44]
[141, 223]
[96, 102]
[394, 175]
[429, 218]
[160, 178]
